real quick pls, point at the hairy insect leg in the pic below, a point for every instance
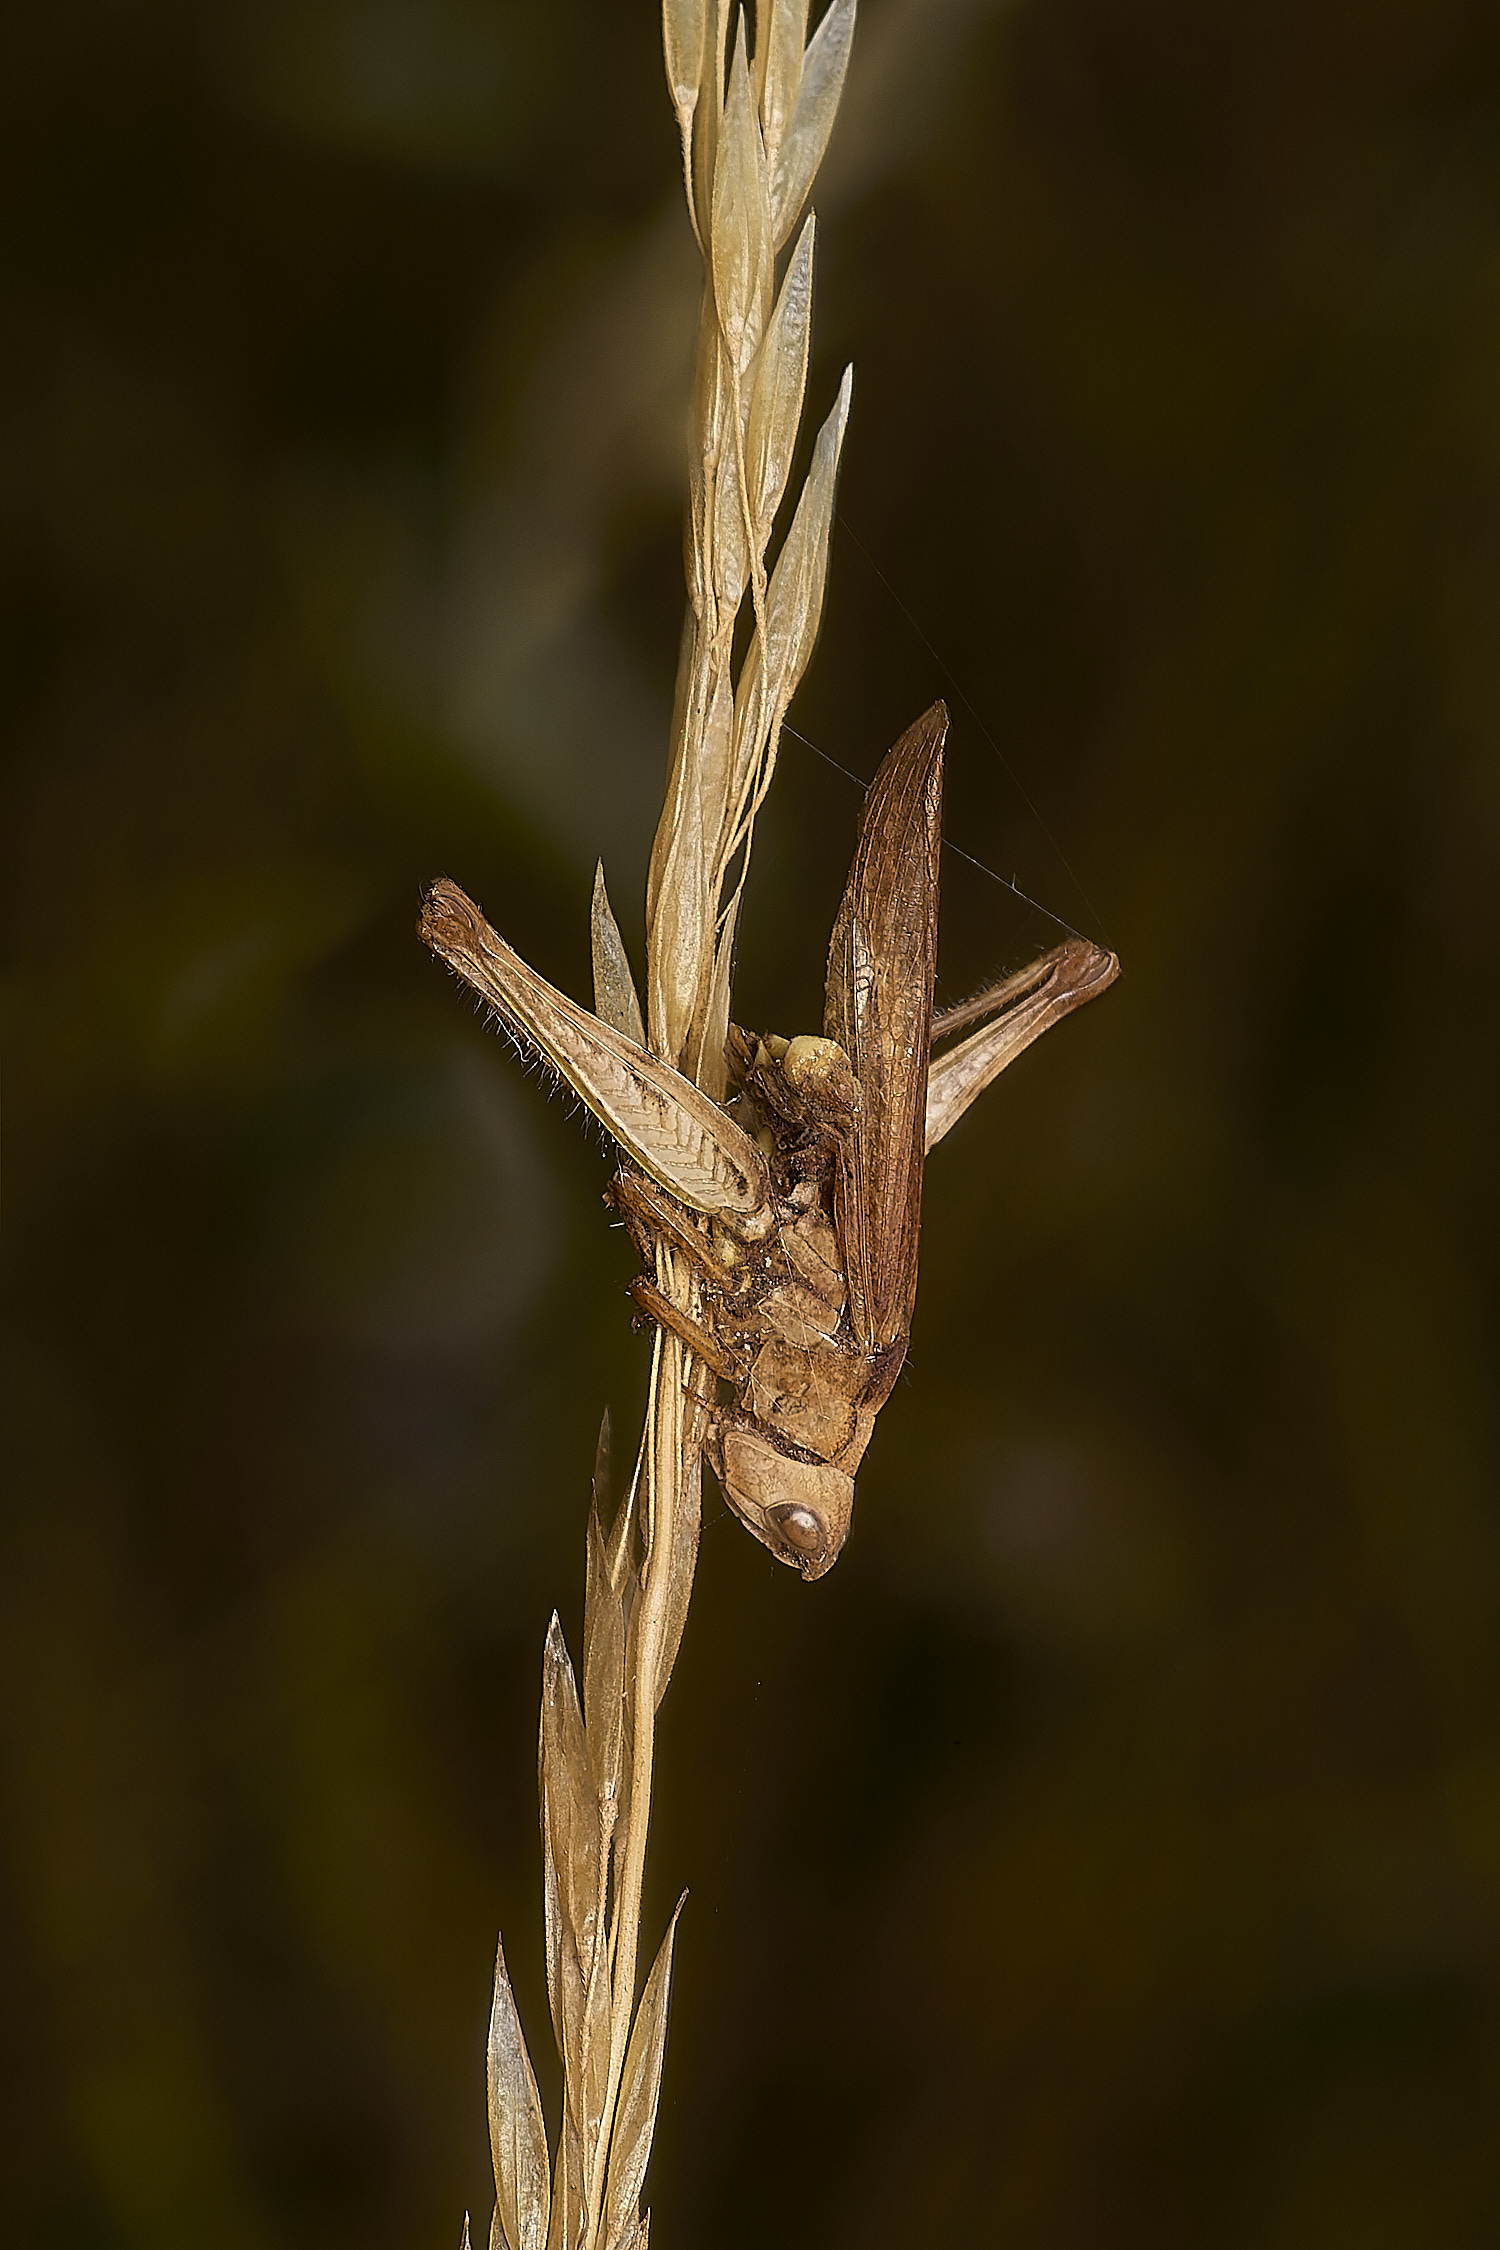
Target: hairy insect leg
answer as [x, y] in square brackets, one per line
[666, 1124]
[1018, 1010]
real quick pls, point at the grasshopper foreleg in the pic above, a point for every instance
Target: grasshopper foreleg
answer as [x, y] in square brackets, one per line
[700, 1341]
[650, 1216]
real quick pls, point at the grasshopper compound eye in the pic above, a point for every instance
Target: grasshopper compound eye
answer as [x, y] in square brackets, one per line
[800, 1528]
[799, 1509]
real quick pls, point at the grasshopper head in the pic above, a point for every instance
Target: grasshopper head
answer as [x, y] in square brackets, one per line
[799, 1509]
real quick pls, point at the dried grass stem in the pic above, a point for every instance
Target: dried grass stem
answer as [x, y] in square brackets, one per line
[752, 136]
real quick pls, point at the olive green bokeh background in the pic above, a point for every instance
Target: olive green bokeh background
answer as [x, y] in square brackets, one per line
[1108, 1853]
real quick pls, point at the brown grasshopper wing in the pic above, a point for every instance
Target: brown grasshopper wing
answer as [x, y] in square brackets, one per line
[881, 961]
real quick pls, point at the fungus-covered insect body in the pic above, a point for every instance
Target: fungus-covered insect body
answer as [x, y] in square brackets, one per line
[794, 1210]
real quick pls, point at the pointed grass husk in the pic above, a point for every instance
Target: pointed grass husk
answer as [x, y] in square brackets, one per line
[753, 135]
[518, 2134]
[615, 999]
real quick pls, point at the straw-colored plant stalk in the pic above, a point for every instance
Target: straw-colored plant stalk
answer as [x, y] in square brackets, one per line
[754, 129]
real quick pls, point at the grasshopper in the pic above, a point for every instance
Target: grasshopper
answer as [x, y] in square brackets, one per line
[795, 1207]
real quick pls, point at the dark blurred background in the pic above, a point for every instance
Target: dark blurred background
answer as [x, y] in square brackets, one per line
[1108, 1853]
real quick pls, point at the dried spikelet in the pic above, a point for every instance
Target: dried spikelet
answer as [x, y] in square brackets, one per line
[778, 64]
[680, 1569]
[615, 999]
[639, 2095]
[682, 28]
[604, 1629]
[518, 2136]
[776, 400]
[800, 151]
[740, 243]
